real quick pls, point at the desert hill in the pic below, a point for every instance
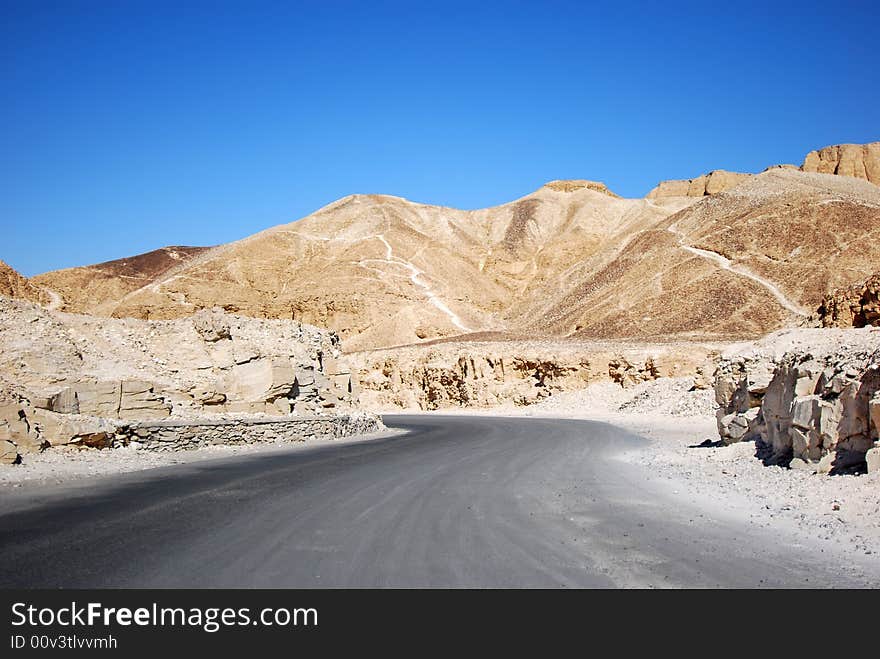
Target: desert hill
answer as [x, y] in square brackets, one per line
[384, 270]
[724, 255]
[745, 261]
[96, 288]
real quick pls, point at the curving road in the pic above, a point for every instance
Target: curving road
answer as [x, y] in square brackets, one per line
[455, 502]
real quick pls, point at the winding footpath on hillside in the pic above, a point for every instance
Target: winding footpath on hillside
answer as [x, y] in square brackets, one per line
[416, 277]
[726, 264]
[55, 300]
[450, 502]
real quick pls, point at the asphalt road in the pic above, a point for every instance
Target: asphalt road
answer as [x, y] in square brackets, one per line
[454, 502]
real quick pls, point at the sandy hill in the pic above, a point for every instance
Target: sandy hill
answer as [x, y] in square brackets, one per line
[98, 288]
[383, 270]
[727, 255]
[742, 262]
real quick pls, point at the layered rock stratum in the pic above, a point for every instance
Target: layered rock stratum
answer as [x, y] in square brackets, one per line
[714, 182]
[488, 374]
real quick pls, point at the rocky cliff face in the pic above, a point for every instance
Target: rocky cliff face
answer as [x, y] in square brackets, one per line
[816, 407]
[853, 306]
[515, 373]
[13, 284]
[708, 184]
[78, 379]
[856, 160]
[580, 184]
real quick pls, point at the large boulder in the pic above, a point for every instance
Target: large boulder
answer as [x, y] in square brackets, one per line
[740, 388]
[16, 427]
[212, 325]
[62, 429]
[140, 400]
[262, 380]
[8, 452]
[125, 399]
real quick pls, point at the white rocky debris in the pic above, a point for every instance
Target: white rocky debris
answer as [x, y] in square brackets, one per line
[68, 379]
[816, 405]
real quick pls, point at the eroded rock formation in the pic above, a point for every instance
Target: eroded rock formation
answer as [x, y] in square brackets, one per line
[518, 374]
[853, 306]
[856, 160]
[13, 284]
[817, 407]
[82, 380]
[714, 182]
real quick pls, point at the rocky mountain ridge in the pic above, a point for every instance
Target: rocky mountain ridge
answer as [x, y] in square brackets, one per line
[727, 256]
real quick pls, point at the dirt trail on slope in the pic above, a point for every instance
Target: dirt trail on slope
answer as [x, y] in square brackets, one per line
[726, 264]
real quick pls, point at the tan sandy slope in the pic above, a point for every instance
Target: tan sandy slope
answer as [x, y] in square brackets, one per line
[97, 288]
[731, 256]
[739, 263]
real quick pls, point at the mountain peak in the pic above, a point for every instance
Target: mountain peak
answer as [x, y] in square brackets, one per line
[573, 185]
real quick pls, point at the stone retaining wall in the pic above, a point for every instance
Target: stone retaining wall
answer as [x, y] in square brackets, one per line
[177, 435]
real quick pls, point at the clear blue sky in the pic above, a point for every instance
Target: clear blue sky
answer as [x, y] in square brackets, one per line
[131, 125]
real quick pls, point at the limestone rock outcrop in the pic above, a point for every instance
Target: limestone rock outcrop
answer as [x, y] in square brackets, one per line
[572, 185]
[627, 374]
[13, 284]
[817, 407]
[9, 453]
[520, 374]
[856, 160]
[714, 182]
[68, 379]
[18, 434]
[853, 306]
